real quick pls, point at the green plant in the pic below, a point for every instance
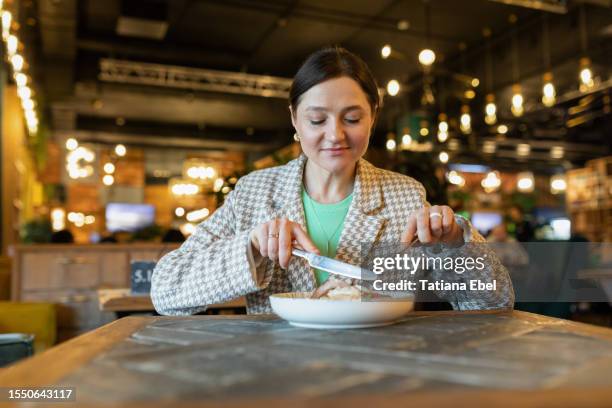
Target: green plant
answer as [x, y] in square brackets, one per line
[36, 231]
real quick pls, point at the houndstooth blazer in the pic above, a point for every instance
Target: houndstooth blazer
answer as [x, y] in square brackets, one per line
[214, 264]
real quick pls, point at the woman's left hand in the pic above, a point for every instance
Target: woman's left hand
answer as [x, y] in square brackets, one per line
[433, 224]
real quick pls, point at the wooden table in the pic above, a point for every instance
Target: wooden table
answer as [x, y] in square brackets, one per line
[123, 301]
[446, 359]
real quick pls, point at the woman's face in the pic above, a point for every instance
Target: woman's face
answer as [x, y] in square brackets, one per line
[333, 120]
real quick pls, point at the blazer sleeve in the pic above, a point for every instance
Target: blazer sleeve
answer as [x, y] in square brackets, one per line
[213, 265]
[474, 246]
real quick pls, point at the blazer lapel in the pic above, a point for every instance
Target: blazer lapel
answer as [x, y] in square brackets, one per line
[288, 203]
[363, 221]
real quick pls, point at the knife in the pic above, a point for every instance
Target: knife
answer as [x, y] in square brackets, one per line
[334, 266]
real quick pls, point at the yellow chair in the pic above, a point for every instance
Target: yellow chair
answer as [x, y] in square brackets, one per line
[38, 319]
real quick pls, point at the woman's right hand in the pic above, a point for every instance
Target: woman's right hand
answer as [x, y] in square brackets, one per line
[273, 239]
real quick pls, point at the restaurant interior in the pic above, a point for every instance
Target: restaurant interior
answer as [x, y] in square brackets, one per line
[125, 123]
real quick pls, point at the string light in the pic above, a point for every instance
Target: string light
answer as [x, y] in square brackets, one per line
[24, 92]
[11, 45]
[18, 63]
[502, 129]
[21, 79]
[7, 17]
[77, 162]
[201, 172]
[443, 157]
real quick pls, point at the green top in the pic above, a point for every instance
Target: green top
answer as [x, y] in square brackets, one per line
[324, 223]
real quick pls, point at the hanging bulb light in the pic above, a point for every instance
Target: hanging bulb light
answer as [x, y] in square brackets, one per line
[466, 120]
[443, 157]
[490, 110]
[525, 182]
[517, 101]
[586, 75]
[120, 150]
[424, 130]
[548, 90]
[442, 128]
[391, 145]
[406, 139]
[558, 184]
[385, 51]
[427, 57]
[393, 87]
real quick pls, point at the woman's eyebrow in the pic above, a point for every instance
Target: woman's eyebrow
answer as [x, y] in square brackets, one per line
[316, 108]
[352, 107]
[321, 108]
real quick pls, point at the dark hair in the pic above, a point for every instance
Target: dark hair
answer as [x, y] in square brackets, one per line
[329, 63]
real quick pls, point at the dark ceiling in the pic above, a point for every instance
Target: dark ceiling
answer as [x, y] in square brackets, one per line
[272, 37]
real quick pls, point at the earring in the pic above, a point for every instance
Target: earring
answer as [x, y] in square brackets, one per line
[296, 137]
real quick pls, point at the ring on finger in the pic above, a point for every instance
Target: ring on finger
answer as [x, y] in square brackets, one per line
[435, 214]
[272, 235]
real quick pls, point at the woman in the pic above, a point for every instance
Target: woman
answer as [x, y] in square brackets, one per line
[329, 195]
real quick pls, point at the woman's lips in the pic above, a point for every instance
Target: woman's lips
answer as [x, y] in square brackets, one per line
[335, 151]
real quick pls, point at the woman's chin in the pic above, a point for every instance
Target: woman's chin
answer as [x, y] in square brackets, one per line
[336, 164]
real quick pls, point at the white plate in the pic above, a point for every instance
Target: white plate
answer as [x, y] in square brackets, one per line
[301, 311]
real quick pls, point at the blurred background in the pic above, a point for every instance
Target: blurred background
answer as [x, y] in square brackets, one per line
[126, 122]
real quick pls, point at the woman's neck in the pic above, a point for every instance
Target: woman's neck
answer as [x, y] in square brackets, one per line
[328, 187]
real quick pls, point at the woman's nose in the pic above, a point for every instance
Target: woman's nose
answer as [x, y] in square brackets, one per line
[336, 132]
